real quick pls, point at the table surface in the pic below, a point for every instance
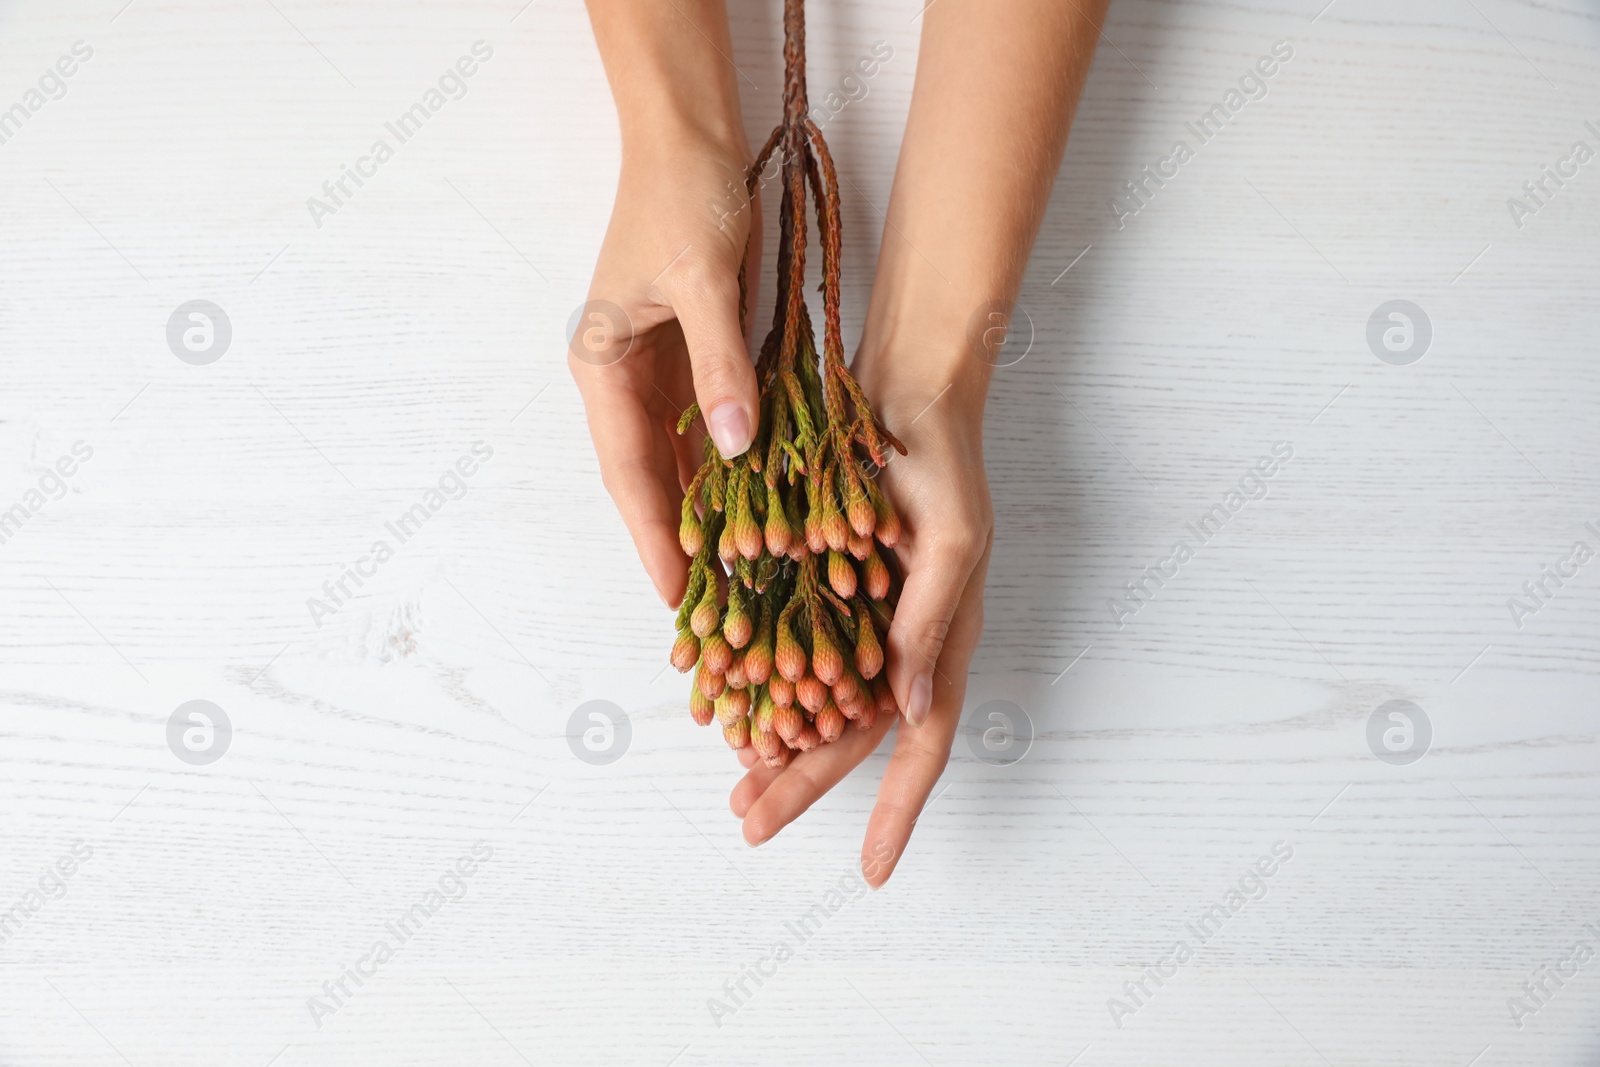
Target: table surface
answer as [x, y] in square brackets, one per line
[1095, 901]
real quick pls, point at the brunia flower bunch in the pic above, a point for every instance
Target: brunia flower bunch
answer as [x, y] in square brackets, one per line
[789, 596]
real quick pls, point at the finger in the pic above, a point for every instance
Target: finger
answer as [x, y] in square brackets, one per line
[922, 620]
[807, 777]
[706, 301]
[747, 757]
[920, 755]
[637, 467]
[919, 758]
[751, 786]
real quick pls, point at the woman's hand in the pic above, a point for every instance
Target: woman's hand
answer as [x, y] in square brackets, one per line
[660, 330]
[661, 325]
[942, 496]
[982, 145]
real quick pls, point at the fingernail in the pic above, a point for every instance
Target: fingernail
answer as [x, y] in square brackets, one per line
[921, 701]
[730, 429]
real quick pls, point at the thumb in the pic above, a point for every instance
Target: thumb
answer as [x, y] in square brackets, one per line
[922, 620]
[706, 301]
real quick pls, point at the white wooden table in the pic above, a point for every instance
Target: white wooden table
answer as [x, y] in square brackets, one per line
[609, 904]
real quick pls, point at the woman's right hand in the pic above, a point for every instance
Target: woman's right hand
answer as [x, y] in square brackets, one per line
[661, 328]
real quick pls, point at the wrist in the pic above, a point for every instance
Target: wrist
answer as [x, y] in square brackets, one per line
[927, 355]
[659, 133]
[669, 73]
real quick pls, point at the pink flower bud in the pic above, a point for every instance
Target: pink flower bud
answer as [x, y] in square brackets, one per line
[710, 684]
[716, 654]
[869, 653]
[788, 722]
[782, 691]
[701, 708]
[841, 575]
[811, 693]
[876, 575]
[686, 652]
[732, 705]
[830, 723]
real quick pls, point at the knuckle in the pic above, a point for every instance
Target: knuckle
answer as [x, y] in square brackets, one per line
[704, 279]
[928, 639]
[810, 786]
[962, 543]
[620, 479]
[719, 376]
[933, 757]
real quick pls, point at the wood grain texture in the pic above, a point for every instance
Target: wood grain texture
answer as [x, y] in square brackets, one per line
[431, 712]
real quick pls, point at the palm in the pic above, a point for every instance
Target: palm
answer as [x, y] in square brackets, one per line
[662, 382]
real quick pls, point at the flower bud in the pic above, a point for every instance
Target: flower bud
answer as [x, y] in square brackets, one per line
[737, 627]
[869, 653]
[835, 531]
[691, 534]
[710, 684]
[883, 696]
[859, 547]
[757, 664]
[808, 738]
[887, 530]
[741, 515]
[701, 708]
[867, 719]
[859, 705]
[811, 693]
[841, 575]
[727, 547]
[815, 540]
[782, 691]
[788, 722]
[846, 689]
[732, 705]
[691, 538]
[790, 658]
[830, 724]
[781, 755]
[737, 735]
[876, 575]
[862, 517]
[706, 615]
[850, 696]
[735, 674]
[761, 719]
[778, 533]
[758, 657]
[716, 654]
[685, 651]
[825, 658]
[766, 745]
[747, 535]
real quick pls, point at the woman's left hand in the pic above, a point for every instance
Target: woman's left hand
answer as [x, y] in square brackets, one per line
[942, 496]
